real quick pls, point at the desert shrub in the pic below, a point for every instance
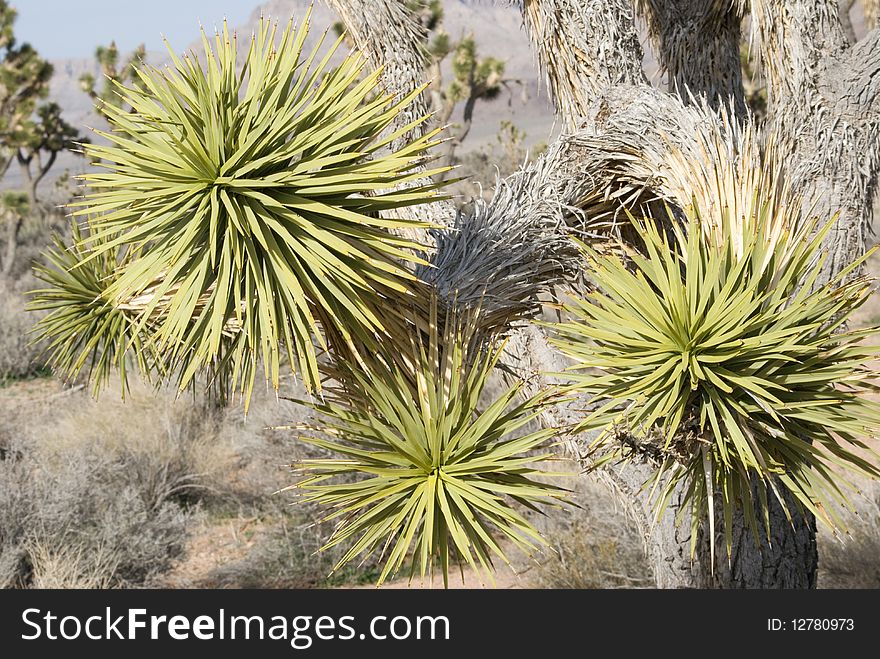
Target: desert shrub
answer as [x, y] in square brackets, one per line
[261, 454]
[70, 566]
[19, 358]
[852, 559]
[155, 461]
[37, 231]
[103, 493]
[286, 555]
[592, 546]
[77, 521]
[171, 446]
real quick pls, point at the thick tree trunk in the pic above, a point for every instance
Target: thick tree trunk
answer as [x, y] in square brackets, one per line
[824, 107]
[15, 221]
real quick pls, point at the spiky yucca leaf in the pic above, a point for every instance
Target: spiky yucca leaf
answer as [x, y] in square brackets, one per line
[83, 329]
[717, 354]
[421, 466]
[257, 195]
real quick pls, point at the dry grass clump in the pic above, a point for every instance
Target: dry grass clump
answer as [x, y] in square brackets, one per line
[19, 358]
[852, 560]
[286, 555]
[173, 449]
[593, 546]
[103, 494]
[109, 493]
[80, 522]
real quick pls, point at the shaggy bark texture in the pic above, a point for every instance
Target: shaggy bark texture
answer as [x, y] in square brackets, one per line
[824, 107]
[693, 63]
[400, 53]
[575, 64]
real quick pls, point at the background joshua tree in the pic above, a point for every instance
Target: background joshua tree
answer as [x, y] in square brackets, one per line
[43, 139]
[24, 81]
[15, 208]
[107, 58]
[32, 132]
[823, 106]
[474, 77]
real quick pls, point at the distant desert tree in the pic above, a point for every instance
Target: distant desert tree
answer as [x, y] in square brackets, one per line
[43, 139]
[112, 74]
[24, 82]
[32, 131]
[282, 218]
[474, 77]
[15, 209]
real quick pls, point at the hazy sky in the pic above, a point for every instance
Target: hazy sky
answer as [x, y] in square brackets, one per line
[72, 28]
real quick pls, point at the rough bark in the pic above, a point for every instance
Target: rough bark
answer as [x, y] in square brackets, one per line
[576, 65]
[788, 560]
[398, 52]
[824, 106]
[698, 46]
[393, 38]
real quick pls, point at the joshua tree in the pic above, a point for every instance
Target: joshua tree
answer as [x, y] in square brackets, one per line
[31, 133]
[108, 59]
[711, 263]
[24, 81]
[41, 141]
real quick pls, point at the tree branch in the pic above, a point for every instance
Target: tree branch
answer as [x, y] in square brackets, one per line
[794, 37]
[583, 47]
[823, 110]
[392, 37]
[636, 146]
[698, 47]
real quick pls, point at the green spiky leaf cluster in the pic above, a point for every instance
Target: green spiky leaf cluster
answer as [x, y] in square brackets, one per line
[256, 200]
[422, 468]
[722, 359]
[82, 330]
